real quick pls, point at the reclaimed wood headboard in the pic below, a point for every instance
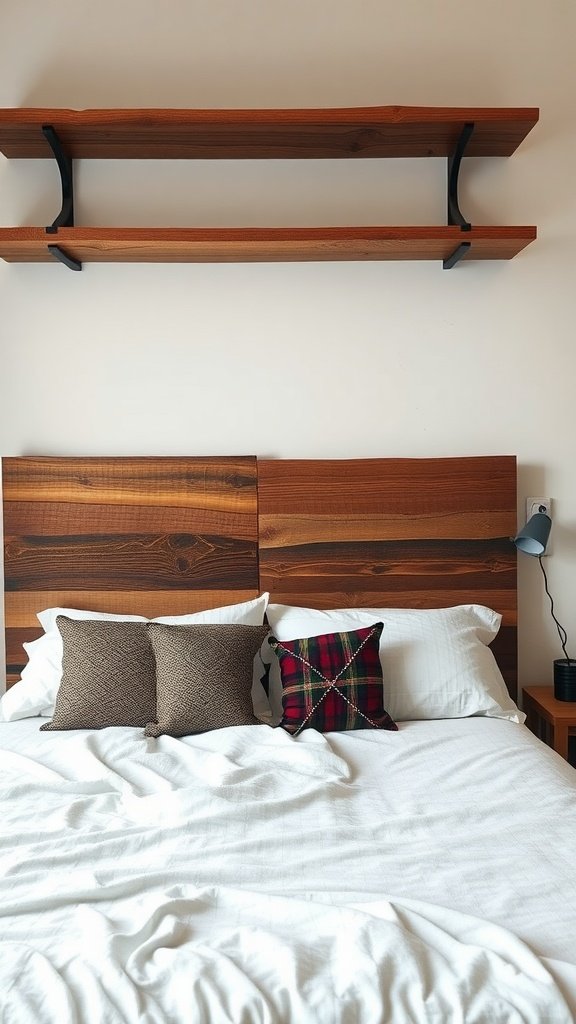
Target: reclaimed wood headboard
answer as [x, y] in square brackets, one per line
[166, 535]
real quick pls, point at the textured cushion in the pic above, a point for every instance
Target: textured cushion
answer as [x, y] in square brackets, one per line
[203, 676]
[332, 682]
[108, 675]
[36, 693]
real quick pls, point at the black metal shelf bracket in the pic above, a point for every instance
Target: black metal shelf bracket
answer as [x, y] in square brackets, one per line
[456, 256]
[65, 218]
[454, 214]
[64, 258]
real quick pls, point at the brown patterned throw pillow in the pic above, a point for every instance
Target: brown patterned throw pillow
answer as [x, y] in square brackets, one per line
[108, 675]
[203, 676]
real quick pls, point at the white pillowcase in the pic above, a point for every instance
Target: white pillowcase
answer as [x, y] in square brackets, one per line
[435, 662]
[35, 694]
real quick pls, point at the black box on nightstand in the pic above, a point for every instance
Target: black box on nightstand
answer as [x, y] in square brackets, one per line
[565, 679]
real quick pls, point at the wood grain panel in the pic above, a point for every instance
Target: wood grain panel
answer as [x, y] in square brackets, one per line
[356, 132]
[151, 536]
[66, 518]
[286, 531]
[22, 606]
[14, 640]
[182, 561]
[400, 599]
[249, 245]
[410, 488]
[391, 565]
[504, 648]
[226, 484]
[399, 533]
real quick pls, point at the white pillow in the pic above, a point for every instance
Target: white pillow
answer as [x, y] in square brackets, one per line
[435, 662]
[35, 694]
[47, 618]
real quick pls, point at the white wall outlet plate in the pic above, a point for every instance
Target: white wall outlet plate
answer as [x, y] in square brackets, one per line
[534, 505]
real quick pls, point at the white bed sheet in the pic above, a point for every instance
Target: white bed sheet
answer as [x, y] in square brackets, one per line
[243, 875]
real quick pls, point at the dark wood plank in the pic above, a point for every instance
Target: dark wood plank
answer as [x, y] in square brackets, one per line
[16, 656]
[145, 562]
[392, 131]
[393, 565]
[504, 648]
[15, 639]
[245, 245]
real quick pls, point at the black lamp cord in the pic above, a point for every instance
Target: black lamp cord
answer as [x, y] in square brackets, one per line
[561, 631]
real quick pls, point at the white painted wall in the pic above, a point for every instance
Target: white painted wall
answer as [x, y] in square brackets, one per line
[300, 360]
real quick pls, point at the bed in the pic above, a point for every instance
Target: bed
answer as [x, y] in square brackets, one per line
[372, 836]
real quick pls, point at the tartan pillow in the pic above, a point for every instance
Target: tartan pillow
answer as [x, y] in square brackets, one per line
[333, 682]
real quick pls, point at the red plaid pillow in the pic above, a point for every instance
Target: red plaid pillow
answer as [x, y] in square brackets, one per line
[333, 682]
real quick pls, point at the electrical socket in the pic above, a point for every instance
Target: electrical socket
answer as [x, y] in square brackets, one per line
[536, 504]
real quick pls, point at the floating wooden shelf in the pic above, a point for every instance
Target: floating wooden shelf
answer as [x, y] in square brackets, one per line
[358, 132]
[246, 245]
[364, 132]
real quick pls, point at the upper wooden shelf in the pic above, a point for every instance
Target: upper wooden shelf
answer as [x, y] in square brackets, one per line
[358, 132]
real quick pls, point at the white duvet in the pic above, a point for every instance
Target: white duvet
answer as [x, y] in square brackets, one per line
[245, 876]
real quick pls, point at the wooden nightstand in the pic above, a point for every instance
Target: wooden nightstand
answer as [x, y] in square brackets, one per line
[545, 715]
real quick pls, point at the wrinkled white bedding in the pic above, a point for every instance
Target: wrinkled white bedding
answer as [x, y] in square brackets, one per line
[245, 876]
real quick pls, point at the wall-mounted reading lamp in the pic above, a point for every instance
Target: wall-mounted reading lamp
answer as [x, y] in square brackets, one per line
[532, 540]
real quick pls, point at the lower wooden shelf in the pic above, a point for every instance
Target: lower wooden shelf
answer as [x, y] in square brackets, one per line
[245, 245]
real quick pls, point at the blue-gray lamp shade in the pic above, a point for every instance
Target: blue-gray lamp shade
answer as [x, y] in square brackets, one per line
[533, 537]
